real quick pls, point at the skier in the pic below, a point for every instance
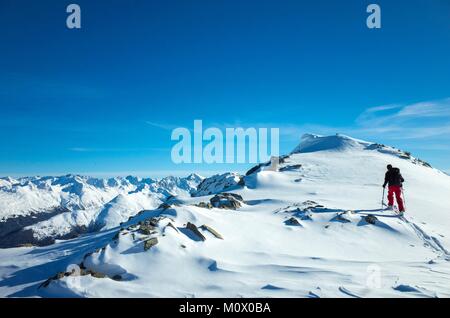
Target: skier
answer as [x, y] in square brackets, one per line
[395, 180]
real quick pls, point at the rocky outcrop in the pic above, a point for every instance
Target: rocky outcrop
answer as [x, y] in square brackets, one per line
[293, 222]
[194, 229]
[212, 231]
[218, 183]
[76, 271]
[371, 219]
[229, 201]
[146, 228]
[204, 205]
[259, 167]
[149, 243]
[342, 217]
[291, 168]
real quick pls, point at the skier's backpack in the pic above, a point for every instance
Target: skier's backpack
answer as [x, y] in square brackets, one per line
[396, 176]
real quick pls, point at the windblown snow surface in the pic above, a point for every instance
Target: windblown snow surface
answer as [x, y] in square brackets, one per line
[328, 185]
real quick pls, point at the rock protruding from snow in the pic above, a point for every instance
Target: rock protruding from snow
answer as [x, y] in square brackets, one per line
[218, 183]
[149, 243]
[293, 222]
[371, 219]
[212, 231]
[229, 201]
[194, 229]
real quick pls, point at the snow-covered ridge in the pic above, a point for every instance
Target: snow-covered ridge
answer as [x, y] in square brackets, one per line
[314, 143]
[218, 183]
[339, 143]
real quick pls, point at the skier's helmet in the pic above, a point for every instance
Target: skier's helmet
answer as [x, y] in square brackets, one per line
[389, 167]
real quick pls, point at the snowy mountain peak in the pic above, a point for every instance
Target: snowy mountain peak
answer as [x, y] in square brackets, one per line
[39, 209]
[338, 142]
[311, 143]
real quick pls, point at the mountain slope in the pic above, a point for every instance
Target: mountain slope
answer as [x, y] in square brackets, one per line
[40, 210]
[300, 232]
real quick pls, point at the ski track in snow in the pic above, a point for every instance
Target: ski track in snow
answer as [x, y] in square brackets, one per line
[429, 241]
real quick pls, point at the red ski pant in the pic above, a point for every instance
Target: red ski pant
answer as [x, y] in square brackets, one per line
[398, 196]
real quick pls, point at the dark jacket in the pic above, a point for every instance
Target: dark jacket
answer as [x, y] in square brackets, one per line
[393, 178]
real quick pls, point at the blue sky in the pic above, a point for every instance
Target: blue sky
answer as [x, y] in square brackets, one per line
[103, 100]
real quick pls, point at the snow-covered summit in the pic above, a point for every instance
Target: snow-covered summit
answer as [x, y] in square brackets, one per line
[338, 142]
[311, 143]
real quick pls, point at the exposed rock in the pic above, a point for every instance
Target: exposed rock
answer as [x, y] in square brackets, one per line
[116, 236]
[96, 274]
[290, 168]
[218, 183]
[26, 245]
[341, 217]
[371, 219]
[83, 272]
[241, 182]
[204, 205]
[154, 221]
[230, 201]
[306, 216]
[212, 231]
[117, 277]
[56, 277]
[293, 222]
[195, 230]
[282, 159]
[172, 226]
[256, 168]
[146, 228]
[309, 205]
[150, 243]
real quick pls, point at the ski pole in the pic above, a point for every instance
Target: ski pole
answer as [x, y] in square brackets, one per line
[382, 199]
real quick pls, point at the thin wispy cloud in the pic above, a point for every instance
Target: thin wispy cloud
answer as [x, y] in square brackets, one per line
[414, 121]
[422, 124]
[163, 126]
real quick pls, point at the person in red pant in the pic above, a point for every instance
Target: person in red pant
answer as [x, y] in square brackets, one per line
[394, 179]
